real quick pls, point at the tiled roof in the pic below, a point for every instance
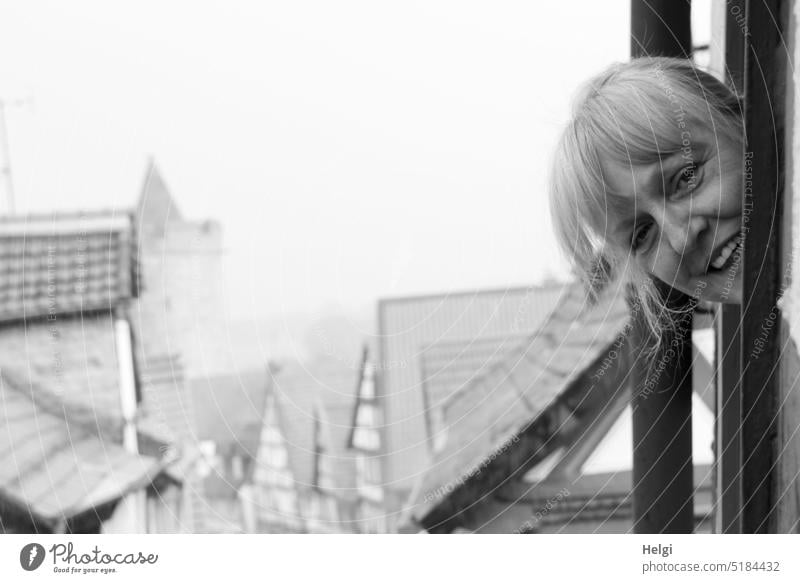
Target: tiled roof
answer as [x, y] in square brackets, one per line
[56, 467]
[69, 361]
[63, 264]
[450, 367]
[485, 416]
[408, 330]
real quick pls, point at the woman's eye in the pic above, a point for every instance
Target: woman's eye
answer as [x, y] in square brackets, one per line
[686, 180]
[639, 237]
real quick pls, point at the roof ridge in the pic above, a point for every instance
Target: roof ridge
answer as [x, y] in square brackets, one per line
[478, 291]
[66, 214]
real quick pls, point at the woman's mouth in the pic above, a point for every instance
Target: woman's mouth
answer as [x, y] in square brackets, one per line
[727, 255]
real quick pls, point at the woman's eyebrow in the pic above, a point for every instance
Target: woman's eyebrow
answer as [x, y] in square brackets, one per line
[647, 179]
[651, 177]
[669, 164]
[654, 177]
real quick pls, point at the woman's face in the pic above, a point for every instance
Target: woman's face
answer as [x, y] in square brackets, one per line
[680, 219]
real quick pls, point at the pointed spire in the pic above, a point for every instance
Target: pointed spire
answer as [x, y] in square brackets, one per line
[365, 424]
[319, 451]
[322, 511]
[274, 482]
[323, 475]
[156, 206]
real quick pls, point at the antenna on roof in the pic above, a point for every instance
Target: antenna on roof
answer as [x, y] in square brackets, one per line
[5, 161]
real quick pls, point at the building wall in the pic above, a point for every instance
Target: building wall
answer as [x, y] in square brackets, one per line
[164, 511]
[181, 308]
[180, 333]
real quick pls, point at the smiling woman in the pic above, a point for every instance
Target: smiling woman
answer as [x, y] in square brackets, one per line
[646, 183]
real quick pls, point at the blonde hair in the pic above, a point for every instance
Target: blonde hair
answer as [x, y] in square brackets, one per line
[634, 113]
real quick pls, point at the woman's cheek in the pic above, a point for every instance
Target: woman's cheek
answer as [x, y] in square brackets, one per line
[730, 187]
[666, 266]
[655, 265]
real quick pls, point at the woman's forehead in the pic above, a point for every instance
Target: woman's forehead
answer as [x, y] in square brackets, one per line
[648, 138]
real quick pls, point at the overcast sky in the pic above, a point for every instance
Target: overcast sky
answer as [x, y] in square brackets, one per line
[351, 150]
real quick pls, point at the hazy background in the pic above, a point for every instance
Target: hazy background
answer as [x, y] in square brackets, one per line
[351, 150]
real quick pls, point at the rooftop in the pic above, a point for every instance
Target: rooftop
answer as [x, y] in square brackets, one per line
[57, 467]
[66, 263]
[485, 416]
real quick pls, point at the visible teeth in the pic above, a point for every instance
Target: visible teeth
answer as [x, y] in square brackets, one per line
[725, 253]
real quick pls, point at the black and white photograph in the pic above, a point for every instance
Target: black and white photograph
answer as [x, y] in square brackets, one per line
[380, 268]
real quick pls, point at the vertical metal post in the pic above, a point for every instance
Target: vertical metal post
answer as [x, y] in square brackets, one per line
[734, 44]
[663, 472]
[662, 405]
[661, 28]
[728, 415]
[764, 82]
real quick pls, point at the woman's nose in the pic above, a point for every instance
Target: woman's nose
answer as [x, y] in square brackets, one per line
[683, 230]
